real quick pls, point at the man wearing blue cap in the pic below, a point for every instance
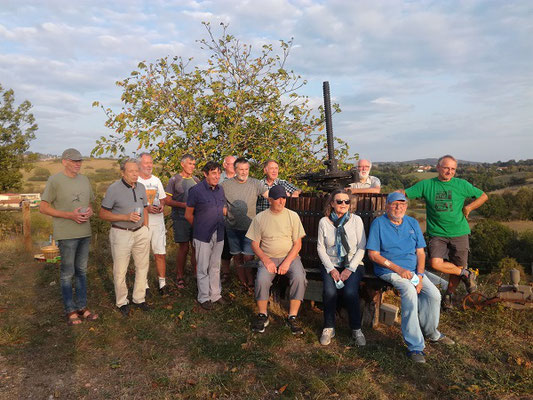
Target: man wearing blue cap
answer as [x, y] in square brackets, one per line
[276, 236]
[396, 247]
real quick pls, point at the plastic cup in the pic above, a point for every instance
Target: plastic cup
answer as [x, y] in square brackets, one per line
[137, 210]
[339, 284]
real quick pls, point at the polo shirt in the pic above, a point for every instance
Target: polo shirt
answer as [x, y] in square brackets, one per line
[178, 189]
[371, 182]
[208, 204]
[122, 198]
[397, 243]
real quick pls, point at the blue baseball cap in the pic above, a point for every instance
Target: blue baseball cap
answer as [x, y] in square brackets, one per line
[396, 196]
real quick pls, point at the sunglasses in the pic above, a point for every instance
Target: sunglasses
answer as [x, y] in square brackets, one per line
[342, 201]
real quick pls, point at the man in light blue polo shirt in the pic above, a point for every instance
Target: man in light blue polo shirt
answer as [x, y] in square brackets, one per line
[396, 247]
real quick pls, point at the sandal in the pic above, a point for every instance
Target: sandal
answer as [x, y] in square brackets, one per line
[180, 283]
[87, 315]
[73, 319]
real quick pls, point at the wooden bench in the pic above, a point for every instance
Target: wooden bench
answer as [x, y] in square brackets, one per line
[310, 209]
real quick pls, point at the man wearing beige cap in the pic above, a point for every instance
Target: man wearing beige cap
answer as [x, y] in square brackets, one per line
[66, 198]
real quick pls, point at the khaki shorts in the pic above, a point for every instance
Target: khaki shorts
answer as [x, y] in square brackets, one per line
[455, 249]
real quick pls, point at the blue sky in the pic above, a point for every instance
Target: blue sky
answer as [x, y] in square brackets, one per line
[414, 79]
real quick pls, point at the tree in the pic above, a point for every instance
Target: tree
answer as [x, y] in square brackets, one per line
[17, 127]
[237, 103]
[496, 208]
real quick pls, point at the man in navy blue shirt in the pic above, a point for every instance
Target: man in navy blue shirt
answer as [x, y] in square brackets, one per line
[396, 246]
[206, 206]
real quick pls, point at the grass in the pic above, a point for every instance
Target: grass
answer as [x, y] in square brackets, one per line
[180, 351]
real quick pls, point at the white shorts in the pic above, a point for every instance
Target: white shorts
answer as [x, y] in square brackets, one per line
[158, 238]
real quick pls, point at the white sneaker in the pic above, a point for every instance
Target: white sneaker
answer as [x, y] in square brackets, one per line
[327, 334]
[357, 335]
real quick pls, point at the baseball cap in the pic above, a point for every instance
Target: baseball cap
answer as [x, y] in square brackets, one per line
[71, 154]
[276, 192]
[396, 196]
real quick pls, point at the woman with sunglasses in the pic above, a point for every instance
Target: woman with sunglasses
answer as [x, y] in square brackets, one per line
[341, 247]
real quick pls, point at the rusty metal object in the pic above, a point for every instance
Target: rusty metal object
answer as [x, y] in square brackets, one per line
[515, 296]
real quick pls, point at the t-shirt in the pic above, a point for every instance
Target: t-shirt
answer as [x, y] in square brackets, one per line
[122, 198]
[208, 207]
[444, 205]
[241, 199]
[154, 188]
[276, 233]
[371, 182]
[66, 194]
[397, 243]
[178, 189]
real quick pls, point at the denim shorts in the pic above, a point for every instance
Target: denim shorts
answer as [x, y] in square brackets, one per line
[238, 242]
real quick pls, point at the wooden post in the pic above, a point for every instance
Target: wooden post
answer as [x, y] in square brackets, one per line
[26, 225]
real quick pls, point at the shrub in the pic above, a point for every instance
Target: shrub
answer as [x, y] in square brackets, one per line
[490, 242]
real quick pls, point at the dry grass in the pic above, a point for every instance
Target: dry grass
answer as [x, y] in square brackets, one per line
[179, 351]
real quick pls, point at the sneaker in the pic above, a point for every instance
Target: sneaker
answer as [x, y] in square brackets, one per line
[164, 291]
[444, 340]
[357, 335]
[296, 329]
[447, 302]
[260, 323]
[417, 356]
[124, 310]
[142, 306]
[207, 305]
[327, 335]
[470, 280]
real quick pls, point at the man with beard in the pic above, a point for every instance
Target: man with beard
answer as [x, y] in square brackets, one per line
[365, 183]
[241, 197]
[396, 247]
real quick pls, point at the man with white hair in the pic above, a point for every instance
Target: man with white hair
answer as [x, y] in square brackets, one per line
[365, 183]
[155, 193]
[396, 247]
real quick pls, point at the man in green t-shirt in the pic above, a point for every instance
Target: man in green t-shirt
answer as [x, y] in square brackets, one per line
[447, 223]
[66, 198]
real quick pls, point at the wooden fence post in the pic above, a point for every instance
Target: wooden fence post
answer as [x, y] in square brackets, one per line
[26, 225]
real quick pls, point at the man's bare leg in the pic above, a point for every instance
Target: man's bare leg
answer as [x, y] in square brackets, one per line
[294, 307]
[248, 272]
[238, 259]
[181, 257]
[160, 267]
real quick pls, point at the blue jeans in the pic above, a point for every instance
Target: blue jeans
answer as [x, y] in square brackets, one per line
[420, 312]
[350, 294]
[74, 257]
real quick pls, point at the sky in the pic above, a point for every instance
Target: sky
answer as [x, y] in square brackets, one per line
[414, 79]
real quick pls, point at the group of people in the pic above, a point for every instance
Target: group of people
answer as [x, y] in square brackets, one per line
[231, 215]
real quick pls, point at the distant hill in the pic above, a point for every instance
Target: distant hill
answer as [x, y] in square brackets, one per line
[426, 161]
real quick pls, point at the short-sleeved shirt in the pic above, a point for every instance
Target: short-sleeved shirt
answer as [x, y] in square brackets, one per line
[444, 205]
[178, 189]
[224, 177]
[276, 232]
[262, 203]
[241, 199]
[122, 198]
[64, 193]
[397, 243]
[154, 184]
[208, 204]
[371, 182]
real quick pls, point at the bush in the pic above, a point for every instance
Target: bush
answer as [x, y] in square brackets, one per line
[490, 242]
[40, 175]
[504, 266]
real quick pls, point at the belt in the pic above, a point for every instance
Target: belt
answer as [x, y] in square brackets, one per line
[127, 229]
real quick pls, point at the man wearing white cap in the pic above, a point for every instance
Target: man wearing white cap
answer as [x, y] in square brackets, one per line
[396, 247]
